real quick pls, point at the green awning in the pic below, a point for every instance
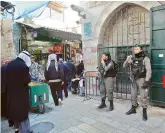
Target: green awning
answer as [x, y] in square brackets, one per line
[44, 37]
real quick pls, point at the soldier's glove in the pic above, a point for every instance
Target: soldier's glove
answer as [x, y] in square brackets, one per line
[145, 85]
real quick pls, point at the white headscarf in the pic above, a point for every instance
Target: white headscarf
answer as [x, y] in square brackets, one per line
[25, 56]
[50, 58]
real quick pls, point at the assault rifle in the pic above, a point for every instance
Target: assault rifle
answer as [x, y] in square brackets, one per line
[131, 77]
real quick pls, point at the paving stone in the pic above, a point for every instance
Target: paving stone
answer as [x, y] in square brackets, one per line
[118, 131]
[63, 125]
[104, 119]
[89, 129]
[65, 131]
[75, 122]
[134, 130]
[76, 130]
[119, 125]
[88, 120]
[76, 116]
[104, 127]
[154, 121]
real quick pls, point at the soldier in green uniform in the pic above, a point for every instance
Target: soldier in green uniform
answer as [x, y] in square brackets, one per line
[140, 67]
[108, 75]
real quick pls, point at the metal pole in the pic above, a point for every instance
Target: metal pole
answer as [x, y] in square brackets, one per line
[117, 29]
[133, 26]
[127, 29]
[138, 28]
[144, 30]
[122, 25]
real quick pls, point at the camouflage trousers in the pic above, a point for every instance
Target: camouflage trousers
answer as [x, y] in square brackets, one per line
[143, 94]
[107, 87]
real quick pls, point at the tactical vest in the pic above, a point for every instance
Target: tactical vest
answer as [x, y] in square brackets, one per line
[138, 68]
[110, 72]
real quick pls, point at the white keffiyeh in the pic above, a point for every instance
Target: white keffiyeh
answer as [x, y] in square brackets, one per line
[25, 56]
[50, 58]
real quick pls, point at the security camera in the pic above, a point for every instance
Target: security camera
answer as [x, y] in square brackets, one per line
[77, 8]
[77, 22]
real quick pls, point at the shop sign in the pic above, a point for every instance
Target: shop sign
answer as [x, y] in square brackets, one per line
[88, 29]
[92, 74]
[56, 6]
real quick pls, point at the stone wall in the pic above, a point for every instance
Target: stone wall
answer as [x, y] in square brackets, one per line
[7, 47]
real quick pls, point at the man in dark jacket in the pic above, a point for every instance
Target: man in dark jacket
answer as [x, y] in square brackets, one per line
[55, 76]
[80, 68]
[18, 91]
[64, 86]
[72, 72]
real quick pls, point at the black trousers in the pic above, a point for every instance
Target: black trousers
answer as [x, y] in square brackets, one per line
[54, 87]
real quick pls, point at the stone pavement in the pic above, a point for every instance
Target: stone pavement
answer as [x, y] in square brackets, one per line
[76, 116]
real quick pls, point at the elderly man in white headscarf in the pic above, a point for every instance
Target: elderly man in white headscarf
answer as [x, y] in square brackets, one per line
[55, 76]
[18, 79]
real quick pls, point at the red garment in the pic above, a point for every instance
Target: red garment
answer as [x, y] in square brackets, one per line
[164, 81]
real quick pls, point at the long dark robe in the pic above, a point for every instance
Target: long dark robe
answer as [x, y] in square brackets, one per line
[17, 90]
[3, 91]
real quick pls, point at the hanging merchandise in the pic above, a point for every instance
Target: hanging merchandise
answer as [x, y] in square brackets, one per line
[58, 48]
[73, 53]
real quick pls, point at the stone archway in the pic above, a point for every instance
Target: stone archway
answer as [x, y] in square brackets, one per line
[92, 61]
[110, 11]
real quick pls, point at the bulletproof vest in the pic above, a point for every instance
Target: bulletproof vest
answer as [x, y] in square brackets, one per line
[110, 72]
[138, 68]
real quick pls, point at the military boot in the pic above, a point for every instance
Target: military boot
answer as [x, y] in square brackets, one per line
[111, 106]
[131, 111]
[145, 114]
[102, 105]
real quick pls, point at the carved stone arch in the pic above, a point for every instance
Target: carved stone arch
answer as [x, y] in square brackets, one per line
[111, 9]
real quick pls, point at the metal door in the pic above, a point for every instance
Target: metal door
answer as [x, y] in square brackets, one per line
[128, 27]
[157, 92]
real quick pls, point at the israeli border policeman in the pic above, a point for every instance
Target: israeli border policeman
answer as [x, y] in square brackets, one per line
[108, 75]
[140, 68]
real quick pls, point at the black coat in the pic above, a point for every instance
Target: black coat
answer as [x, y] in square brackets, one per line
[52, 73]
[17, 90]
[80, 68]
[3, 91]
[3, 78]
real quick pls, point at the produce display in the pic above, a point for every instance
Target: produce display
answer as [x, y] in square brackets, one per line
[33, 84]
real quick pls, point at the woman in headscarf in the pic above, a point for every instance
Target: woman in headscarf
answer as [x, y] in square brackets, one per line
[55, 76]
[18, 78]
